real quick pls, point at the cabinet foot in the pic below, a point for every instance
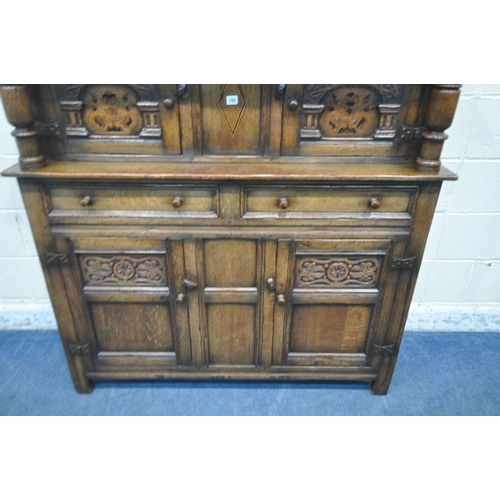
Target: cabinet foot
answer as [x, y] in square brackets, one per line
[378, 389]
[84, 387]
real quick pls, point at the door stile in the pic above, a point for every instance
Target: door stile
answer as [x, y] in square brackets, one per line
[268, 302]
[170, 120]
[193, 269]
[282, 312]
[175, 265]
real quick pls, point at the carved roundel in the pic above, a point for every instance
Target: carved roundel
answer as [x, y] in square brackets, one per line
[350, 111]
[124, 270]
[112, 110]
[337, 272]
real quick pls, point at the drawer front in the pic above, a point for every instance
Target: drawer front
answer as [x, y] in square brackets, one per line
[144, 202]
[328, 202]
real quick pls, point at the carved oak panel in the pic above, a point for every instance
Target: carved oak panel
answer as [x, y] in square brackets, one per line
[124, 270]
[337, 272]
[111, 110]
[334, 111]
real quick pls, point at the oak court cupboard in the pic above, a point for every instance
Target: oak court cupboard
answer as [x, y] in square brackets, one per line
[230, 231]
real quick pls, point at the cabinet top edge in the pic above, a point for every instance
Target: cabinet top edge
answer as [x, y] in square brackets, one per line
[161, 171]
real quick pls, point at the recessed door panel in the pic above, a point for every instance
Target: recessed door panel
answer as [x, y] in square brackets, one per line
[132, 327]
[329, 329]
[231, 119]
[231, 331]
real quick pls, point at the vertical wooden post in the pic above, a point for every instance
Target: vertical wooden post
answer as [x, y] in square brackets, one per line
[18, 109]
[444, 99]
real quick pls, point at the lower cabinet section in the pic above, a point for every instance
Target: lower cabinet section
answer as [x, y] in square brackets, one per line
[230, 307]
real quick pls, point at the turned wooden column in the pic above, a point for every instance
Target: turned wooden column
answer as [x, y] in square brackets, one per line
[18, 110]
[444, 99]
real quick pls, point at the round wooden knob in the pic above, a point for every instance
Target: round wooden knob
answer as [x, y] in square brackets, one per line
[87, 201]
[181, 298]
[177, 202]
[374, 203]
[281, 300]
[168, 103]
[283, 203]
[293, 105]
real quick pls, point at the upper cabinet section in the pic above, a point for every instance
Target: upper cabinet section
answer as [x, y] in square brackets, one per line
[147, 122]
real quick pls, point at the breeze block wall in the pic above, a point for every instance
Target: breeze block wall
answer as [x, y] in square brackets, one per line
[459, 284]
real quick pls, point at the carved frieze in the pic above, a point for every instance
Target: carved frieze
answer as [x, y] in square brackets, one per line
[124, 270]
[111, 110]
[75, 91]
[337, 272]
[389, 93]
[339, 112]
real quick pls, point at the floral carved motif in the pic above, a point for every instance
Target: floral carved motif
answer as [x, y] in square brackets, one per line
[337, 272]
[124, 270]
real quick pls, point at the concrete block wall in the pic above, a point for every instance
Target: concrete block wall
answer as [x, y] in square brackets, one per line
[459, 285]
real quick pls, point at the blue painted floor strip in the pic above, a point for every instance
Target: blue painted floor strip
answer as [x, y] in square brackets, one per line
[436, 374]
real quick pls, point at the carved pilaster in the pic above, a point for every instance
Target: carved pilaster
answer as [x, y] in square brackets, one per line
[310, 121]
[18, 110]
[444, 99]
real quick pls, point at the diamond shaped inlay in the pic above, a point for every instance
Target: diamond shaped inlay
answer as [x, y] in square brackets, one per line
[232, 113]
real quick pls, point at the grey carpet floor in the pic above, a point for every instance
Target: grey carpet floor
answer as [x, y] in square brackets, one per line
[436, 374]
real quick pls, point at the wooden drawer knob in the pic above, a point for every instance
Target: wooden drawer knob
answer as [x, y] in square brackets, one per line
[168, 103]
[283, 203]
[87, 201]
[177, 202]
[374, 203]
[181, 298]
[293, 105]
[281, 300]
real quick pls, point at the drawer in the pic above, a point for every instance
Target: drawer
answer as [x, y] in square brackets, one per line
[329, 202]
[128, 202]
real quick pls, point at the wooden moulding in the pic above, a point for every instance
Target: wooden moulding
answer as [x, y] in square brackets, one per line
[443, 102]
[18, 110]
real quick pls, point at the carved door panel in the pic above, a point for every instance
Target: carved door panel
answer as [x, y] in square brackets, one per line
[132, 119]
[334, 300]
[133, 313]
[231, 309]
[232, 119]
[352, 120]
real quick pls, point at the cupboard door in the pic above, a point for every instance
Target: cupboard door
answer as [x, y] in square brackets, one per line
[234, 307]
[131, 119]
[330, 297]
[352, 119]
[132, 313]
[232, 119]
